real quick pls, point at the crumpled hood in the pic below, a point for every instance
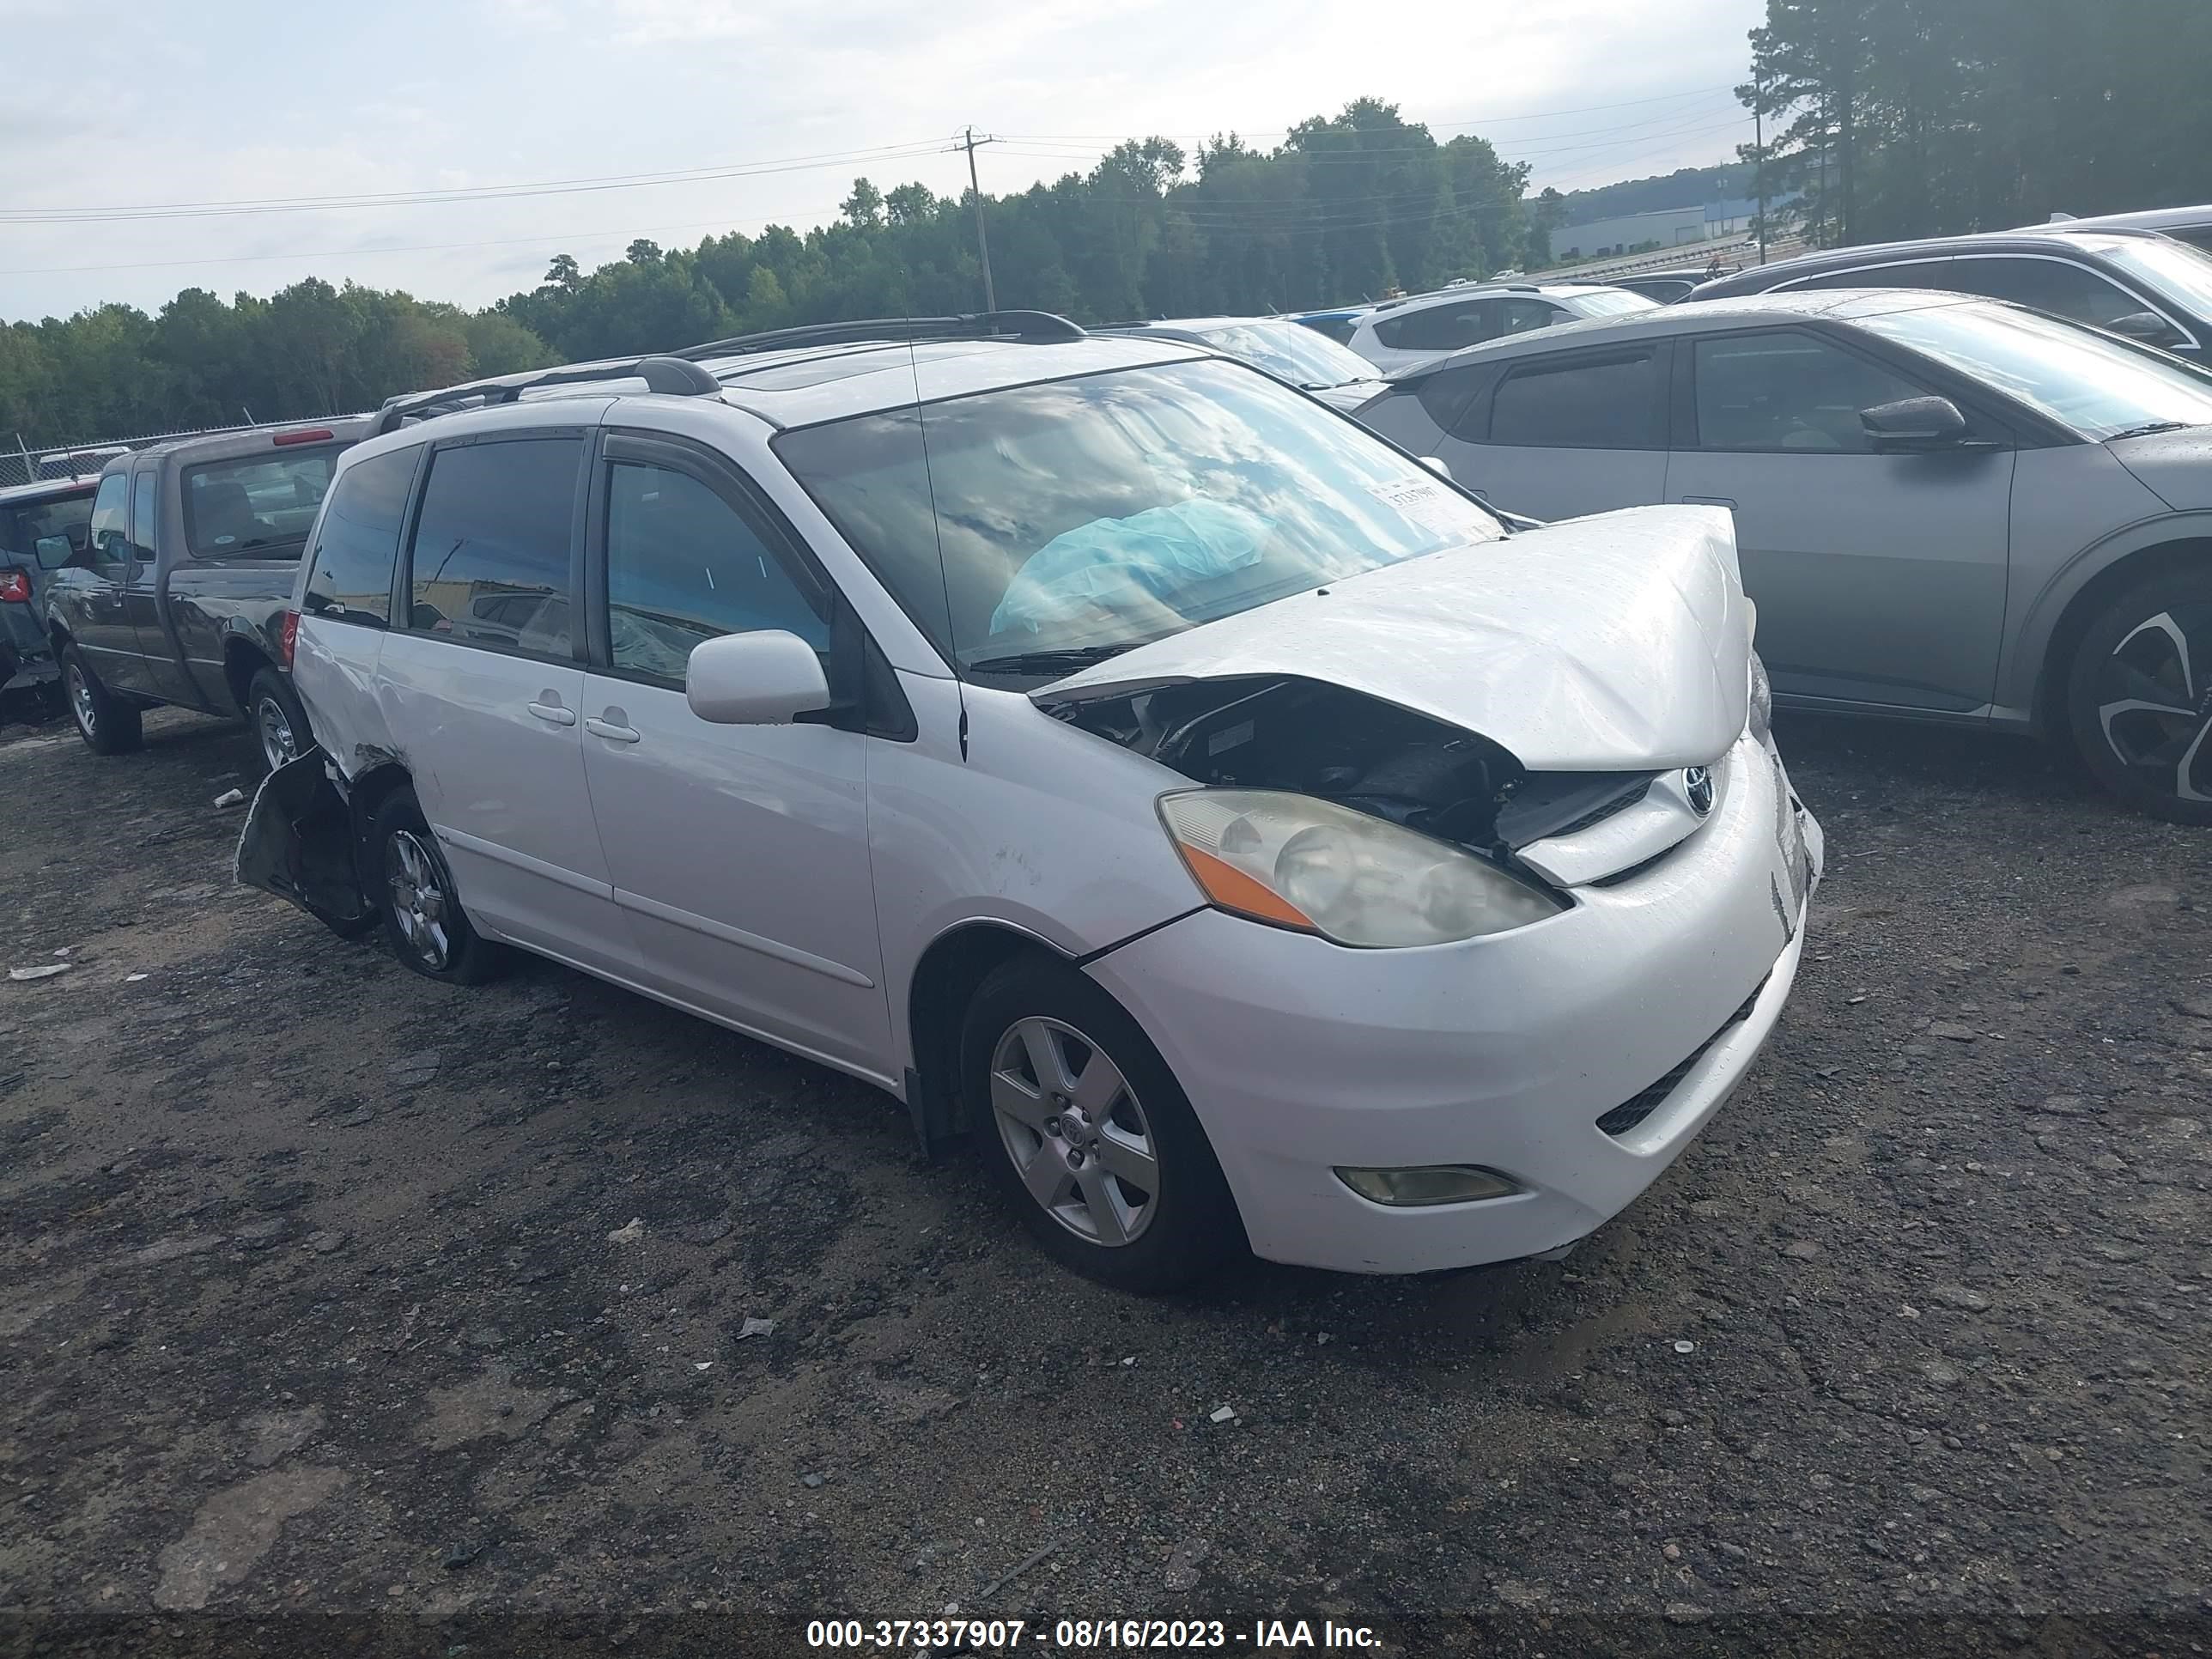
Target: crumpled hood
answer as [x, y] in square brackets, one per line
[1619, 642]
[2175, 466]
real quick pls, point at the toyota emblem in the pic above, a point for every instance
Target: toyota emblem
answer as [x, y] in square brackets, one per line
[1698, 789]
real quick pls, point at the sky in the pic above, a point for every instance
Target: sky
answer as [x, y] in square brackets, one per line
[767, 113]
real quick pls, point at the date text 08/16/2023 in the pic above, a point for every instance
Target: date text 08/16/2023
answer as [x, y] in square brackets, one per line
[1124, 1635]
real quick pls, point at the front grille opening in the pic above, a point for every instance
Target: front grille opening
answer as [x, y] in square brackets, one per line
[1637, 1107]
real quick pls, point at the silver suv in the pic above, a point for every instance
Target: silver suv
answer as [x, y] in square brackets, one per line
[1949, 510]
[1095, 744]
[1429, 327]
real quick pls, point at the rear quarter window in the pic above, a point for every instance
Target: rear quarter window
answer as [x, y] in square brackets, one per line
[358, 543]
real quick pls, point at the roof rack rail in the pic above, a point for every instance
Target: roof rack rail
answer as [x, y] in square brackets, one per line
[659, 373]
[1040, 326]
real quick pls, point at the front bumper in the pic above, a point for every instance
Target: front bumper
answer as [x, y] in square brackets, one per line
[1301, 1056]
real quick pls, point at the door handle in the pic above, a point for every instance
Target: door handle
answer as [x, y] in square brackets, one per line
[1728, 501]
[553, 711]
[611, 733]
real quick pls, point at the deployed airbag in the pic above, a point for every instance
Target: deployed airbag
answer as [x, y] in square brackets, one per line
[1122, 564]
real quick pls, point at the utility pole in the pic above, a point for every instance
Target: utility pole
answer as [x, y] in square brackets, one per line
[1758, 144]
[967, 141]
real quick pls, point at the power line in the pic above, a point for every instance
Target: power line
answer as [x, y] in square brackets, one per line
[466, 193]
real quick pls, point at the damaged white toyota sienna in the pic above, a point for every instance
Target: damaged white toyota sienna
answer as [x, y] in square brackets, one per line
[1104, 749]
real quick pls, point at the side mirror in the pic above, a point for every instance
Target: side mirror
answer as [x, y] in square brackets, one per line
[1436, 465]
[765, 678]
[1913, 424]
[52, 552]
[2147, 327]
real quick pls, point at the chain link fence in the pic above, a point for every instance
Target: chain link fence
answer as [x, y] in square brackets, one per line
[22, 462]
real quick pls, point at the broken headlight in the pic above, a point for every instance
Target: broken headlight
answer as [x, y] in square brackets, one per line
[1311, 865]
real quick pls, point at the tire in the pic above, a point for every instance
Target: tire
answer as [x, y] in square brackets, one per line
[2139, 697]
[108, 725]
[435, 939]
[1183, 1229]
[278, 721]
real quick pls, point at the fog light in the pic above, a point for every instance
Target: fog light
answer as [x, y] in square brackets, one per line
[1437, 1183]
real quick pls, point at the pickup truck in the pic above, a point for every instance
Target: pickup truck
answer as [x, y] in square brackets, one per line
[180, 594]
[42, 527]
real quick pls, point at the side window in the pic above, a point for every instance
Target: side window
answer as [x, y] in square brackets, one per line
[490, 554]
[145, 502]
[1519, 316]
[111, 516]
[2053, 285]
[358, 542]
[1922, 273]
[684, 566]
[1784, 390]
[1601, 403]
[1441, 327]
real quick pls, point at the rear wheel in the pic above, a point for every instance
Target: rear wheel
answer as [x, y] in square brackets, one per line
[279, 723]
[108, 725]
[1087, 1133]
[422, 916]
[2139, 697]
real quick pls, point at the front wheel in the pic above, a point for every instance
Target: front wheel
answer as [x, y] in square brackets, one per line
[108, 725]
[279, 722]
[1087, 1133]
[423, 920]
[2139, 697]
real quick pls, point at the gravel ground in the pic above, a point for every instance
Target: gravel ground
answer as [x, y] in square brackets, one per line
[417, 1319]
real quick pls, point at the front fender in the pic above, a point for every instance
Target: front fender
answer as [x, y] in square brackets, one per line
[2046, 607]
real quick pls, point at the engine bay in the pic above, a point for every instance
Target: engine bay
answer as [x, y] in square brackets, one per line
[1316, 738]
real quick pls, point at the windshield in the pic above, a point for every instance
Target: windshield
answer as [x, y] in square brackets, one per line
[28, 531]
[2096, 385]
[1295, 353]
[1610, 302]
[2169, 269]
[258, 505]
[1097, 514]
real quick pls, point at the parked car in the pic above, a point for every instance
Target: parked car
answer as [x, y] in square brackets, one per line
[1312, 362]
[1660, 287]
[1948, 508]
[1337, 324]
[1429, 327]
[2192, 225]
[2135, 282]
[1091, 742]
[42, 526]
[180, 596]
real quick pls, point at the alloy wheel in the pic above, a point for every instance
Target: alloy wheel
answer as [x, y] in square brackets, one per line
[1075, 1130]
[274, 726]
[2154, 701]
[81, 704]
[419, 904]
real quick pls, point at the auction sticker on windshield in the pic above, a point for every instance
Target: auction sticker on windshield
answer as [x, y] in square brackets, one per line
[1429, 505]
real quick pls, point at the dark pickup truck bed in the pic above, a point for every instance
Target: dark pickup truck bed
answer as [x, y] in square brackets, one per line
[180, 596]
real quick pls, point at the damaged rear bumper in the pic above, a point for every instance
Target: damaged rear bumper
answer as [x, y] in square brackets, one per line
[299, 842]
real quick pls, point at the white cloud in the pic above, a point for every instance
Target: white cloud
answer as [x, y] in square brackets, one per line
[420, 95]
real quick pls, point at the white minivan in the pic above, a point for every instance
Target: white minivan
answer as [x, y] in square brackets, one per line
[1091, 742]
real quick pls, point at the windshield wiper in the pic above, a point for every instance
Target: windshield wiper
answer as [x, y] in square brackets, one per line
[1064, 660]
[2145, 431]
